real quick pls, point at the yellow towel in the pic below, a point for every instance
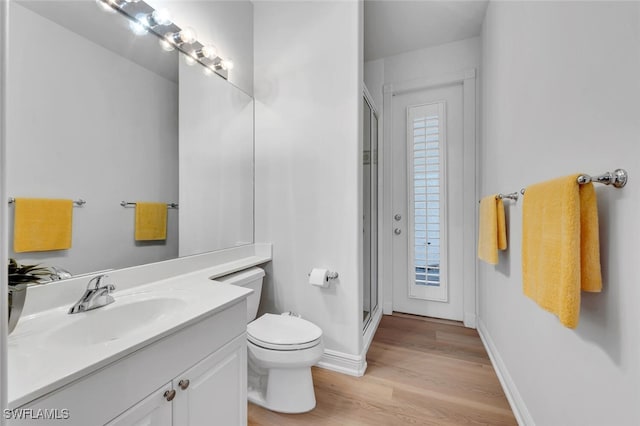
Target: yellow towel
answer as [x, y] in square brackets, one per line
[151, 221]
[493, 230]
[42, 224]
[560, 246]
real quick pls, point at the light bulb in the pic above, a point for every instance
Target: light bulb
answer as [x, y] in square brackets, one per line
[207, 71]
[208, 52]
[139, 26]
[227, 64]
[159, 17]
[132, 1]
[186, 36]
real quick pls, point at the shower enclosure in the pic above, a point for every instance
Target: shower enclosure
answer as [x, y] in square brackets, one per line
[370, 211]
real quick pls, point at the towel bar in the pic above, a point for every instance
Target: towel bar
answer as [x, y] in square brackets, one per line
[618, 179]
[79, 202]
[129, 204]
[512, 196]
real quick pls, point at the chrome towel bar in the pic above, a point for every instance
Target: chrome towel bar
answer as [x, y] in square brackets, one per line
[511, 196]
[130, 204]
[618, 178]
[79, 202]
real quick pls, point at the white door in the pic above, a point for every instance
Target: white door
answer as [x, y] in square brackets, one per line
[427, 196]
[213, 392]
[154, 410]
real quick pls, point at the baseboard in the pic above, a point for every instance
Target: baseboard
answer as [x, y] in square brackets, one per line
[508, 385]
[387, 308]
[469, 320]
[353, 365]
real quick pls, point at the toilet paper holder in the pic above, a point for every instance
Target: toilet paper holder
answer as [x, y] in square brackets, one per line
[332, 275]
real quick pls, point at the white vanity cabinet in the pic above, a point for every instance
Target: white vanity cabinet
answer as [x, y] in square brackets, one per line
[214, 391]
[204, 363]
[210, 393]
[153, 410]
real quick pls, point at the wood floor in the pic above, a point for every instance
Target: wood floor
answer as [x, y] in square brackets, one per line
[420, 372]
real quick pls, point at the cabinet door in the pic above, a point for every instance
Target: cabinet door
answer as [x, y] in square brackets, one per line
[154, 410]
[216, 391]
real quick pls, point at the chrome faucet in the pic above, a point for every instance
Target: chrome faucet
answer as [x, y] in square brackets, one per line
[95, 296]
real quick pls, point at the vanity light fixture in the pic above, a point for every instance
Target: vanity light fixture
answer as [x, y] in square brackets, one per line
[185, 36]
[144, 19]
[106, 5]
[208, 52]
[155, 18]
[138, 26]
[112, 5]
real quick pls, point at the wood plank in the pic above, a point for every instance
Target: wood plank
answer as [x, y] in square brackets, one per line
[421, 372]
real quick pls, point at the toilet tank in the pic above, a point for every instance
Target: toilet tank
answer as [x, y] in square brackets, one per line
[250, 278]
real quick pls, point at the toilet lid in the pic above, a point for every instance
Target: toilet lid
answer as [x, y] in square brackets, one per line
[283, 330]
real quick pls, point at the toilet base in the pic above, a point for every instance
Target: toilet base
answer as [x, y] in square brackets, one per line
[285, 390]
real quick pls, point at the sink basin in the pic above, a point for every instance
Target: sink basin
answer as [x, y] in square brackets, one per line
[113, 322]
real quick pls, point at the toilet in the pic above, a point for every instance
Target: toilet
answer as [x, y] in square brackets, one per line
[281, 350]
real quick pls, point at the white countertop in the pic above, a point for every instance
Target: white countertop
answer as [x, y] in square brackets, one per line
[51, 348]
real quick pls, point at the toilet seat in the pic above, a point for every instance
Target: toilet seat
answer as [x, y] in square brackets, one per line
[283, 333]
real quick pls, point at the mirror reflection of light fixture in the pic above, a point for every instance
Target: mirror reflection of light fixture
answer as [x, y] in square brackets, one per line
[166, 44]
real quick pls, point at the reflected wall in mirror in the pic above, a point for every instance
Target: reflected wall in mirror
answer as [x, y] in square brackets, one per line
[93, 114]
[216, 166]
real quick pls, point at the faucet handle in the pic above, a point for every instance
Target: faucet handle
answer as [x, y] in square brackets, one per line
[98, 279]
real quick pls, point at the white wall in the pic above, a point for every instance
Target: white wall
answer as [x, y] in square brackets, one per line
[560, 95]
[433, 62]
[308, 58]
[430, 63]
[79, 126]
[228, 25]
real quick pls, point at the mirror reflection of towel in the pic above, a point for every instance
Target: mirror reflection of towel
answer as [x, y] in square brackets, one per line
[42, 224]
[560, 246]
[151, 221]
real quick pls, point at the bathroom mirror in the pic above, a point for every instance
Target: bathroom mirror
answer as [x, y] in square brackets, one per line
[98, 113]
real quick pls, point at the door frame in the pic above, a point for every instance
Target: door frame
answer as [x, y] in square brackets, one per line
[468, 80]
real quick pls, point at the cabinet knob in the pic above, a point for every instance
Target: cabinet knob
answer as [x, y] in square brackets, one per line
[169, 395]
[184, 384]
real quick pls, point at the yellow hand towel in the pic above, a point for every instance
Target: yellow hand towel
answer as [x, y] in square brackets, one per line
[151, 221]
[560, 246]
[493, 230]
[42, 224]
